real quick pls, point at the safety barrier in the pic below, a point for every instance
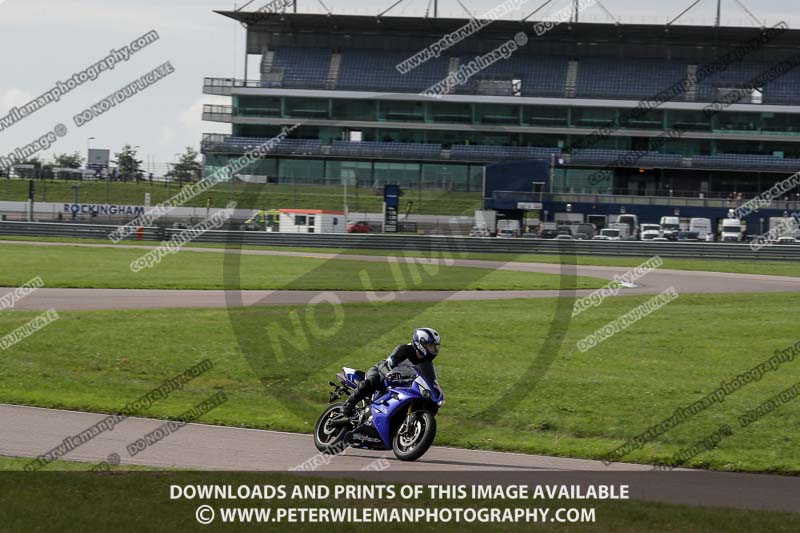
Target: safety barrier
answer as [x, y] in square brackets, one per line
[729, 251]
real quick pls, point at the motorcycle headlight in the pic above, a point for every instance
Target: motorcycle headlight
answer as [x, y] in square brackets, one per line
[441, 402]
[425, 392]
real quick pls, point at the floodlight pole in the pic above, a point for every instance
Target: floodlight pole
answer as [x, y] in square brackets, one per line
[719, 12]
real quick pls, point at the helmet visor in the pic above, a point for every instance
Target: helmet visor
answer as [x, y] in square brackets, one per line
[432, 348]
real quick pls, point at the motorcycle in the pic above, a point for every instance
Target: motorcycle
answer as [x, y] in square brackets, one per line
[401, 419]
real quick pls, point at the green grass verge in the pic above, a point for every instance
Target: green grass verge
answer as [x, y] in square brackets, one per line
[74, 266]
[431, 202]
[141, 502]
[769, 268]
[585, 404]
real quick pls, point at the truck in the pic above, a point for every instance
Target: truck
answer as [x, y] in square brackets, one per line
[615, 232]
[598, 221]
[508, 228]
[650, 231]
[548, 230]
[701, 226]
[731, 230]
[633, 224]
[584, 231]
[264, 220]
[784, 226]
[486, 219]
[670, 227]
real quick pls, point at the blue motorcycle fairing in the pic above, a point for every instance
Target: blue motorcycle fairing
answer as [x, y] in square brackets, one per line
[384, 406]
[353, 376]
[388, 405]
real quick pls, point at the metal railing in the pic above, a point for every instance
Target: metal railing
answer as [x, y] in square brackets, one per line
[410, 243]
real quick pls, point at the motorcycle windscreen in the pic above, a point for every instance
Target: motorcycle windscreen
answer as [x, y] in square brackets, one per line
[427, 371]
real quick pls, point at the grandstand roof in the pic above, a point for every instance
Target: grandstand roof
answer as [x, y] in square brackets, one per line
[661, 35]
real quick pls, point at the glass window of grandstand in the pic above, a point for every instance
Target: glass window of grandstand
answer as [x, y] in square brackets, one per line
[497, 114]
[541, 140]
[214, 163]
[688, 120]
[301, 172]
[780, 122]
[307, 107]
[451, 112]
[258, 131]
[582, 181]
[593, 117]
[402, 111]
[260, 171]
[403, 136]
[257, 106]
[738, 121]
[475, 178]
[494, 139]
[447, 138]
[652, 119]
[545, 116]
[447, 177]
[354, 109]
[357, 173]
[775, 149]
[688, 147]
[403, 174]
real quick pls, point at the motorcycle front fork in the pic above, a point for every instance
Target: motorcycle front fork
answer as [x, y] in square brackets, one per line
[406, 428]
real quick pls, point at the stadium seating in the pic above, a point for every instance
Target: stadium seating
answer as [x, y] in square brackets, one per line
[286, 146]
[628, 78]
[386, 149]
[597, 77]
[302, 67]
[624, 158]
[540, 75]
[499, 153]
[745, 161]
[376, 70]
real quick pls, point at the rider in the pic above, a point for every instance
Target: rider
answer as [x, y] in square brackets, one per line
[424, 346]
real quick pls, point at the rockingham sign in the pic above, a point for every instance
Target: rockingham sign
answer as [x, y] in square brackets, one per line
[104, 209]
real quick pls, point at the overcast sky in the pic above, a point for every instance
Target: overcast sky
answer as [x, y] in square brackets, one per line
[45, 41]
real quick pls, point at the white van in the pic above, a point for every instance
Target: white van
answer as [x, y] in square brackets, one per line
[702, 226]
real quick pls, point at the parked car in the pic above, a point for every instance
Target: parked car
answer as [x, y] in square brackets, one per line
[787, 240]
[689, 236]
[549, 234]
[612, 234]
[564, 237]
[361, 226]
[479, 231]
[507, 233]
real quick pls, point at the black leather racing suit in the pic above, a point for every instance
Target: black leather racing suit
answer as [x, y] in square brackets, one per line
[373, 380]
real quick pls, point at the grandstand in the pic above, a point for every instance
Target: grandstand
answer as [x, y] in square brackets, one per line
[362, 117]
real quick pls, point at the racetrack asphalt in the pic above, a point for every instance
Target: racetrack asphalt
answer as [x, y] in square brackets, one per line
[214, 448]
[683, 281]
[204, 447]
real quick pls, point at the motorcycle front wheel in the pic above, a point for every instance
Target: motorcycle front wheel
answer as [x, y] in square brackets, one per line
[328, 438]
[411, 443]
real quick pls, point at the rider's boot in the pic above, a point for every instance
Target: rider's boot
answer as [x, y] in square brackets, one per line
[347, 408]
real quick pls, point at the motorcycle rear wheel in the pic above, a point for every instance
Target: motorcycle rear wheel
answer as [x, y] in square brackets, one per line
[327, 438]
